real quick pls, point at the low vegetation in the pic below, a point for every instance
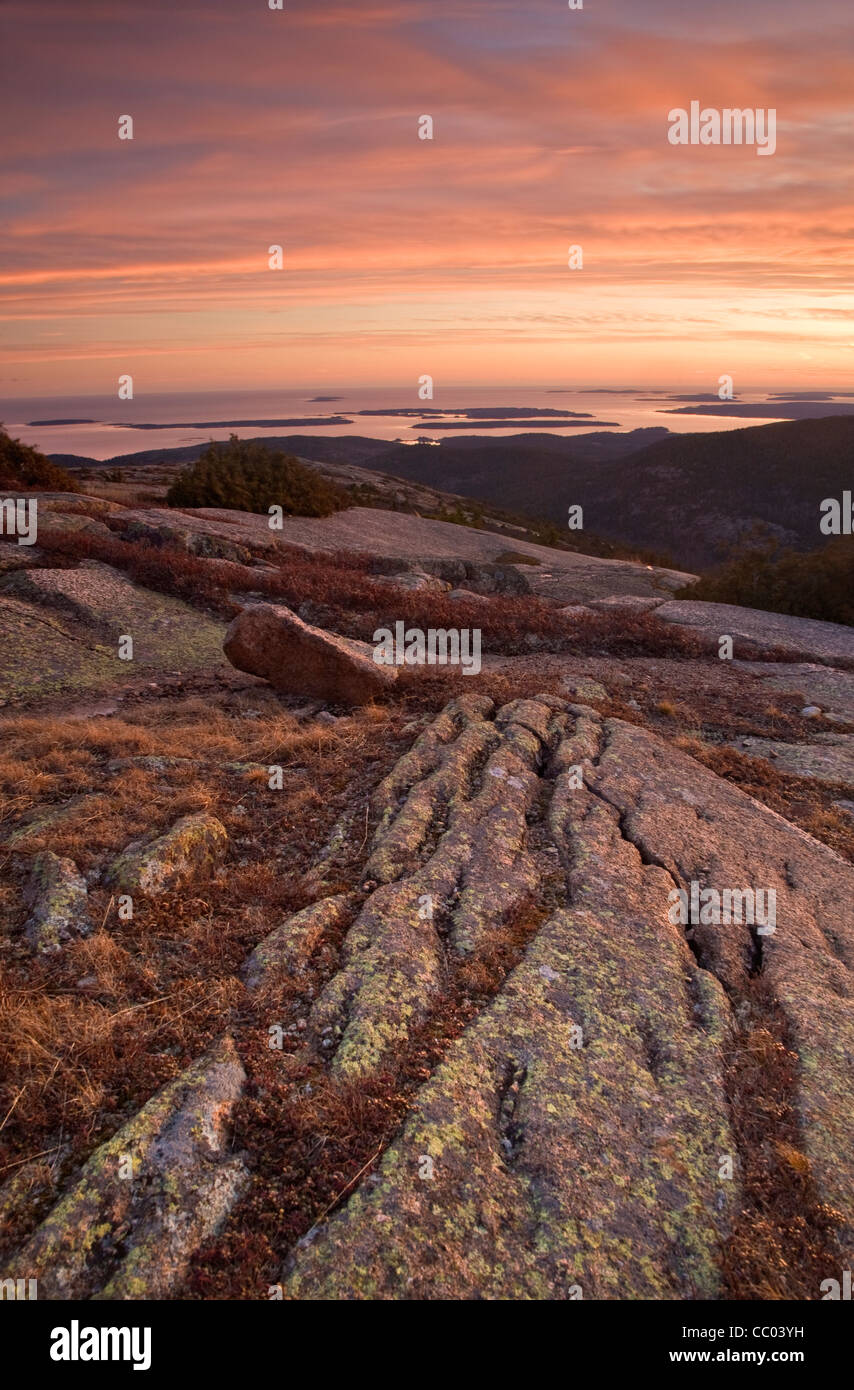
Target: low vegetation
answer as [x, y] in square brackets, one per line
[340, 593]
[88, 1035]
[22, 466]
[245, 475]
[819, 584]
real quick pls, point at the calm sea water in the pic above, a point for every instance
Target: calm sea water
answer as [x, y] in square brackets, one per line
[109, 434]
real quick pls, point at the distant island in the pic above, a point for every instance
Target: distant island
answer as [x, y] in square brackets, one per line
[231, 424]
[778, 410]
[62, 422]
[578, 423]
[481, 412]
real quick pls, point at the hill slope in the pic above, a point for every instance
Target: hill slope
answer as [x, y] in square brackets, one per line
[688, 494]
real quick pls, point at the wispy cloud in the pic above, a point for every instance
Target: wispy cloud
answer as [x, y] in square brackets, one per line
[256, 127]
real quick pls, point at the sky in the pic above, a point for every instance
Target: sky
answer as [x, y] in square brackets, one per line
[299, 127]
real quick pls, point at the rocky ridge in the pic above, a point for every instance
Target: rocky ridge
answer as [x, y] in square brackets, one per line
[573, 1140]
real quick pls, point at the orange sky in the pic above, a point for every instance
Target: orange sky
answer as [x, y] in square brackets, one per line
[404, 256]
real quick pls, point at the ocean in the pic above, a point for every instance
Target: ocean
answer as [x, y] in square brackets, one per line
[106, 422]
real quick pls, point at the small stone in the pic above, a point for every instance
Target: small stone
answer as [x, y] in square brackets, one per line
[417, 580]
[195, 845]
[57, 893]
[811, 711]
[626, 603]
[584, 689]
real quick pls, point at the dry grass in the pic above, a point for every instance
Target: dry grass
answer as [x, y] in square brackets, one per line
[130, 494]
[87, 1036]
[782, 1245]
[804, 801]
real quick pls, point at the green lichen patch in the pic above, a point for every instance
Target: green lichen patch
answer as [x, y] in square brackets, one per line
[61, 629]
[50, 817]
[147, 1198]
[601, 1169]
[191, 849]
[57, 896]
[288, 948]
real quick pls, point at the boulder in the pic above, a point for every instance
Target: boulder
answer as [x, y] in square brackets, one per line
[417, 581]
[467, 596]
[585, 690]
[288, 948]
[271, 641]
[152, 530]
[575, 610]
[54, 522]
[626, 603]
[49, 817]
[568, 1142]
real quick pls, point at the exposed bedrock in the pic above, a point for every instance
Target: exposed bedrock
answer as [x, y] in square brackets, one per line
[574, 1140]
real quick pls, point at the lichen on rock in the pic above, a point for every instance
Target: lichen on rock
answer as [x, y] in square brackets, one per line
[57, 895]
[193, 847]
[148, 1197]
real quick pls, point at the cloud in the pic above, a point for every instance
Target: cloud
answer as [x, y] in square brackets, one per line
[299, 127]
